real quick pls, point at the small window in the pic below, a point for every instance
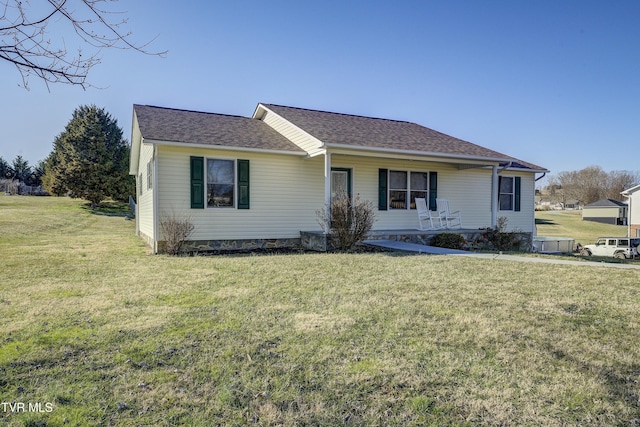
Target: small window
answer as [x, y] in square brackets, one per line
[612, 242]
[220, 183]
[506, 190]
[623, 242]
[398, 189]
[149, 175]
[419, 187]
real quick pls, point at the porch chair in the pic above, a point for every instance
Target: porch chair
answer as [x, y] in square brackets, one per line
[427, 219]
[450, 219]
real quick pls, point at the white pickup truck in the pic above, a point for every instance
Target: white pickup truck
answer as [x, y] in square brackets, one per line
[617, 247]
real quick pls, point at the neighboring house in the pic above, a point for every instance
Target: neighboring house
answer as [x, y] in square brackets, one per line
[633, 214]
[607, 211]
[258, 182]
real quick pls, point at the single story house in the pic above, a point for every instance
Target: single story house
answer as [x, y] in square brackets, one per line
[633, 213]
[250, 182]
[607, 211]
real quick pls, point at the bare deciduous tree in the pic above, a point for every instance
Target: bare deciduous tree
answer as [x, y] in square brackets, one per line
[27, 28]
[591, 184]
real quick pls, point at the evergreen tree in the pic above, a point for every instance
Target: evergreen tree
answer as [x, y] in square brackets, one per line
[4, 168]
[38, 172]
[21, 170]
[90, 159]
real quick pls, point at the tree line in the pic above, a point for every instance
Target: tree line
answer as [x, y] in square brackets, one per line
[90, 160]
[20, 170]
[590, 184]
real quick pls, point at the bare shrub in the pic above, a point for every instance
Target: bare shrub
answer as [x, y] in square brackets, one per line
[176, 230]
[500, 239]
[350, 221]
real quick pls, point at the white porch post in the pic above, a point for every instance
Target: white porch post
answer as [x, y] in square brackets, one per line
[494, 197]
[327, 190]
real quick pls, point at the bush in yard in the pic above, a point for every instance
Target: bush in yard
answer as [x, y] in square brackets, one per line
[176, 231]
[448, 240]
[350, 221]
[502, 240]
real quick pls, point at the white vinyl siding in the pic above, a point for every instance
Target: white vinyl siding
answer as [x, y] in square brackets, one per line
[634, 201]
[523, 220]
[145, 193]
[285, 193]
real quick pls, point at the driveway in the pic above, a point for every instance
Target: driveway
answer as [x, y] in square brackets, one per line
[432, 250]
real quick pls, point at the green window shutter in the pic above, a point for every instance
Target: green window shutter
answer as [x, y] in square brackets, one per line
[382, 189]
[197, 182]
[243, 184]
[517, 184]
[433, 190]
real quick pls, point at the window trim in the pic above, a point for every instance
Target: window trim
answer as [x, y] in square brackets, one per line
[150, 174]
[511, 194]
[234, 182]
[408, 189]
[516, 193]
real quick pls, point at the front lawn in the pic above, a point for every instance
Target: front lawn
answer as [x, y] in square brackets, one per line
[102, 333]
[570, 224]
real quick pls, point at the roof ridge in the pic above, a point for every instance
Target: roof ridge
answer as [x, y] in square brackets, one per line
[339, 114]
[191, 111]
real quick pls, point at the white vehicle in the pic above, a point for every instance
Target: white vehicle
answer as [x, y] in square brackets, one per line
[617, 247]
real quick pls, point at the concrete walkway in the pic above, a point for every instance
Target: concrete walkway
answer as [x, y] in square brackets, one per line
[432, 250]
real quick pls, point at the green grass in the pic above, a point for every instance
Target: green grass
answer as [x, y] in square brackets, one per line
[110, 335]
[570, 224]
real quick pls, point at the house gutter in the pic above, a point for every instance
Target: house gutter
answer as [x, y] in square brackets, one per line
[223, 147]
[417, 153]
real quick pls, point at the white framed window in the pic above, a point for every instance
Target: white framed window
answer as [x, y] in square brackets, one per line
[220, 183]
[405, 186]
[509, 193]
[506, 193]
[149, 174]
[398, 189]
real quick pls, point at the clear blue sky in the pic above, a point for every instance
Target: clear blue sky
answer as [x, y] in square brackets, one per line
[555, 83]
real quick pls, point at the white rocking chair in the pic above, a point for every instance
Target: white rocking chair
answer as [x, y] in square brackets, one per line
[451, 219]
[427, 219]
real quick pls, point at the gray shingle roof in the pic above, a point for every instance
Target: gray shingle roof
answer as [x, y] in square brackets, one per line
[192, 127]
[606, 203]
[359, 131]
[220, 130]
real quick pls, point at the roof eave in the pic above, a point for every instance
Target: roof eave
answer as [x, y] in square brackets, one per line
[134, 154]
[223, 147]
[532, 170]
[448, 156]
[628, 191]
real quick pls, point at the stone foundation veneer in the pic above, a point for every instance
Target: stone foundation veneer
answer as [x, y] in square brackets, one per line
[317, 241]
[476, 239]
[236, 245]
